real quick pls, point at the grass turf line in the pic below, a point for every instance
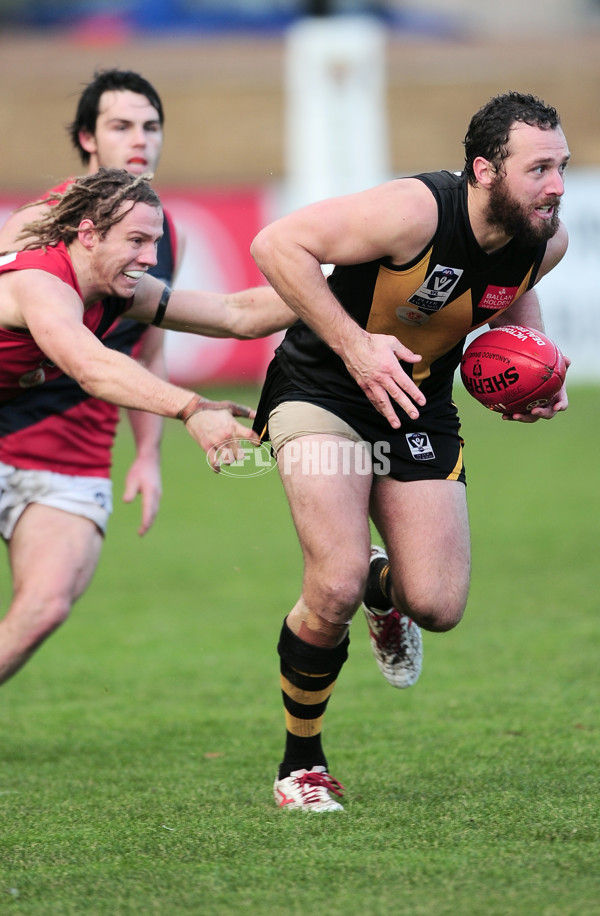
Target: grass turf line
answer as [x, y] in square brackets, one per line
[139, 746]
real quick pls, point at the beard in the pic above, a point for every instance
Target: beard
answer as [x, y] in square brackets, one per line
[514, 219]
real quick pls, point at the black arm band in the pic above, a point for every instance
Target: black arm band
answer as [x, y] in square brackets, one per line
[162, 306]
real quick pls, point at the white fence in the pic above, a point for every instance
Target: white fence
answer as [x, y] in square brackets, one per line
[568, 294]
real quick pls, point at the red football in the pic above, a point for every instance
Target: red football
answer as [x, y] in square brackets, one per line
[512, 369]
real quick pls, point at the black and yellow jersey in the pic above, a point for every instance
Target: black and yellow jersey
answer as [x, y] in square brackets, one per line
[430, 304]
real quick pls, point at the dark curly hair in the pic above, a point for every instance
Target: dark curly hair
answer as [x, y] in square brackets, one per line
[104, 81]
[489, 130]
[98, 197]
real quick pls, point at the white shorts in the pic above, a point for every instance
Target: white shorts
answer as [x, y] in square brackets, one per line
[90, 497]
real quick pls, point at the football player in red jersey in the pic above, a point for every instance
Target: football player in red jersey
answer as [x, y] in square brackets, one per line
[84, 264]
[119, 123]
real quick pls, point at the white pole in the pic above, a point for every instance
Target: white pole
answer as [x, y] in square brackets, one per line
[336, 122]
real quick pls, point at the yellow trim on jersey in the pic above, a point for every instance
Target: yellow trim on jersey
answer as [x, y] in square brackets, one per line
[457, 469]
[439, 332]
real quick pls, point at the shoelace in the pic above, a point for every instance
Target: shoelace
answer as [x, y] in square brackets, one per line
[390, 634]
[313, 783]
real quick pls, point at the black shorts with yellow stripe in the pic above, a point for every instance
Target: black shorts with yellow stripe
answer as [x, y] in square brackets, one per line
[429, 448]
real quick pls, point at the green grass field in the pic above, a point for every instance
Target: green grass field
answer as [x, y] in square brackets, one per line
[138, 748]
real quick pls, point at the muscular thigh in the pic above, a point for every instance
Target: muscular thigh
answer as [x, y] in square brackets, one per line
[328, 494]
[425, 527]
[53, 552]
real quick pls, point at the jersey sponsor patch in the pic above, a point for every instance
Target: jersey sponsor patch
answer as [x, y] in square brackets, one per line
[32, 379]
[420, 446]
[497, 297]
[411, 316]
[436, 289]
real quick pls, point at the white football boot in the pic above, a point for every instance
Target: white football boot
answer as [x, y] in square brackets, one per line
[396, 641]
[309, 790]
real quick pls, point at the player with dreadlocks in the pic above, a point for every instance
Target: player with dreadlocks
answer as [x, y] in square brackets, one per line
[119, 123]
[85, 263]
[105, 190]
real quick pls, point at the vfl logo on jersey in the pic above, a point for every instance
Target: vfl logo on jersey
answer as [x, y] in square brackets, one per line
[420, 446]
[435, 291]
[497, 298]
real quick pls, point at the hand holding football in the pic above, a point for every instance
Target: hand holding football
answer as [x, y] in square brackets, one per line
[512, 369]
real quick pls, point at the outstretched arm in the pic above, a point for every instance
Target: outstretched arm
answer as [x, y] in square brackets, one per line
[52, 312]
[248, 314]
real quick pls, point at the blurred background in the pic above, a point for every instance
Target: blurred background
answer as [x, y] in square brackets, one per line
[273, 103]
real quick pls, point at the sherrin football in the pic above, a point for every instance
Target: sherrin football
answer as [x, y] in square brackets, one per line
[512, 369]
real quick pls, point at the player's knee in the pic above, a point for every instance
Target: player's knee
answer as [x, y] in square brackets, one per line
[40, 620]
[56, 612]
[340, 595]
[334, 585]
[442, 621]
[436, 616]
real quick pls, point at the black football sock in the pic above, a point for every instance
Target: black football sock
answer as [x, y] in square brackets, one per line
[376, 593]
[308, 676]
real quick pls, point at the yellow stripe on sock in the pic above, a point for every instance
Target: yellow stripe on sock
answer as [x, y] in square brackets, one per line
[305, 697]
[303, 728]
